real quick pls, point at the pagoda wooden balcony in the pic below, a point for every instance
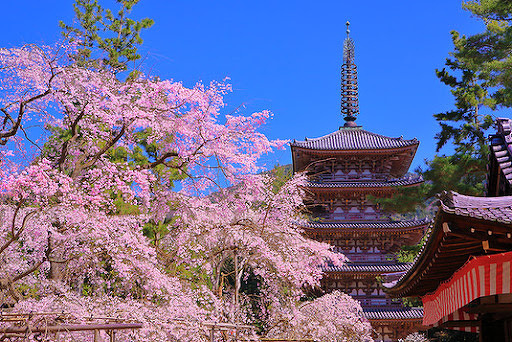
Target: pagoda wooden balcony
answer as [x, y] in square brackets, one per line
[333, 178]
[380, 302]
[350, 217]
[370, 257]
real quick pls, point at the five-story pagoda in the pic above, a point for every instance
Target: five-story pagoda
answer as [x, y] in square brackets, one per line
[346, 169]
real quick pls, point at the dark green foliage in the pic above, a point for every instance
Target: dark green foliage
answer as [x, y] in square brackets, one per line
[110, 40]
[105, 39]
[480, 77]
[280, 175]
[462, 173]
[466, 127]
[408, 253]
[404, 202]
[412, 302]
[146, 153]
[155, 231]
[479, 74]
[250, 288]
[489, 51]
[466, 124]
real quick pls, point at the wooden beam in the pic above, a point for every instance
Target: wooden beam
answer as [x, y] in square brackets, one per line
[491, 308]
[481, 226]
[452, 324]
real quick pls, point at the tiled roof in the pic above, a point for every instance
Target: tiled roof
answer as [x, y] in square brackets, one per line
[497, 209]
[408, 313]
[353, 267]
[354, 139]
[367, 225]
[368, 184]
[501, 147]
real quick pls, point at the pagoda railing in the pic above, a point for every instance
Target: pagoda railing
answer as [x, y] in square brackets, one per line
[336, 217]
[377, 302]
[370, 257]
[333, 178]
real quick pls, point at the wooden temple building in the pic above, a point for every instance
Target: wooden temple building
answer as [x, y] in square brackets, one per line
[463, 272]
[346, 169]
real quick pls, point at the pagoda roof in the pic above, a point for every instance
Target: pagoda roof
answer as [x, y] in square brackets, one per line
[465, 226]
[405, 181]
[354, 138]
[393, 314]
[384, 227]
[372, 268]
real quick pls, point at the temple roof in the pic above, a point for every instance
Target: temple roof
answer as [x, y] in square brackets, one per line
[405, 181]
[464, 226]
[501, 147]
[348, 138]
[378, 267]
[382, 314]
[497, 209]
[383, 226]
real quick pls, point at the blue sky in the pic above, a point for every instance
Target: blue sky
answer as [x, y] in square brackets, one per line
[285, 56]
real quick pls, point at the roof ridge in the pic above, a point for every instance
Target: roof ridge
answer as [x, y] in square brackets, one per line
[358, 129]
[384, 136]
[405, 225]
[382, 221]
[354, 139]
[454, 200]
[323, 136]
[370, 183]
[410, 177]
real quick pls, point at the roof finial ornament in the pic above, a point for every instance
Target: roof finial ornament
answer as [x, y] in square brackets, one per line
[349, 88]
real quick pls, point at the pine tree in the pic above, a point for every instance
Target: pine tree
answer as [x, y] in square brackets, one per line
[106, 39]
[479, 73]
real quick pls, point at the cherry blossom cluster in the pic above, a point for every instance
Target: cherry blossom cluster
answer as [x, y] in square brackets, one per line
[87, 161]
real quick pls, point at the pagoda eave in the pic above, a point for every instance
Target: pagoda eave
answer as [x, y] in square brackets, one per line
[376, 321]
[369, 151]
[363, 274]
[350, 267]
[371, 232]
[365, 189]
[333, 275]
[412, 314]
[358, 225]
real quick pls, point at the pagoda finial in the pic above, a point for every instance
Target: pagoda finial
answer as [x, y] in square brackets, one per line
[349, 89]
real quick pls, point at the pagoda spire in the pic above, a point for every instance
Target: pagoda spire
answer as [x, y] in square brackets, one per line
[349, 89]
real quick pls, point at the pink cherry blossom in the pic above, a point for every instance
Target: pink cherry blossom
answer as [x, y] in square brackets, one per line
[76, 144]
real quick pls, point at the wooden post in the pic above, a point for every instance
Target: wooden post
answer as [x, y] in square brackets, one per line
[237, 287]
[237, 281]
[212, 333]
[112, 335]
[97, 336]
